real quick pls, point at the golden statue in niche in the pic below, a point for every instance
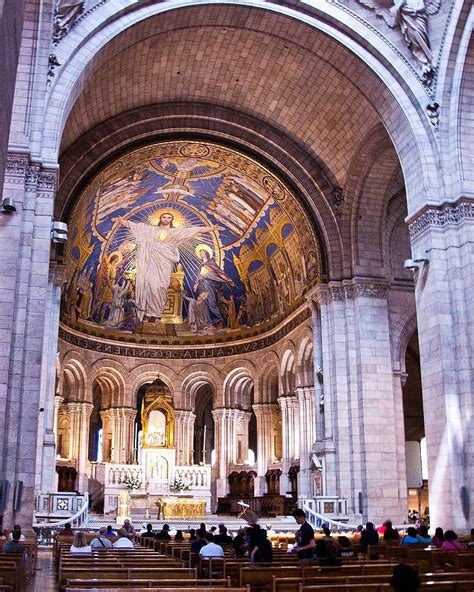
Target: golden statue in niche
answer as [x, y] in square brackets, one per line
[157, 417]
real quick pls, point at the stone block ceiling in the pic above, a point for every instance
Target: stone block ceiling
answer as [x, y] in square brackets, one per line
[183, 239]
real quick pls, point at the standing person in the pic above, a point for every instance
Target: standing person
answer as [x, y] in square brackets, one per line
[101, 541]
[305, 542]
[369, 537]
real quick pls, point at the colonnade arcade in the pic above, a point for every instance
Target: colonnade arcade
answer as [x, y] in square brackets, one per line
[231, 417]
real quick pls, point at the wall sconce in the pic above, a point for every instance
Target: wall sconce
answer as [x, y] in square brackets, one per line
[8, 205]
[59, 232]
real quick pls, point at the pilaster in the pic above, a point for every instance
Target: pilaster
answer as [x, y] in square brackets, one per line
[184, 434]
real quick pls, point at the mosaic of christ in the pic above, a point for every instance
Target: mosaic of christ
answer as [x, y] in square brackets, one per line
[185, 238]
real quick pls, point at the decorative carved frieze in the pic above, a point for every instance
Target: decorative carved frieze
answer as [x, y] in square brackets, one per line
[16, 165]
[441, 216]
[356, 288]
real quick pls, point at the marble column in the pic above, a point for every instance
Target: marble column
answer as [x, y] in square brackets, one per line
[444, 288]
[25, 245]
[265, 415]
[184, 436]
[79, 415]
[127, 425]
[290, 437]
[107, 431]
[231, 427]
[305, 395]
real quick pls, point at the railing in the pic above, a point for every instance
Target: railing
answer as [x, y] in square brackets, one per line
[197, 477]
[118, 475]
[318, 520]
[46, 531]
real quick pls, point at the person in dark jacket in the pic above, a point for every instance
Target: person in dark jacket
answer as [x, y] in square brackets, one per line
[369, 537]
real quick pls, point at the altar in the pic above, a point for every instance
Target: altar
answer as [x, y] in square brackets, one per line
[183, 508]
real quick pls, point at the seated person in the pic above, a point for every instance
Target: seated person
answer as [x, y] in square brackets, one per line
[451, 542]
[18, 528]
[320, 549]
[345, 549]
[66, 532]
[470, 544]
[410, 538]
[331, 558]
[222, 538]
[438, 538]
[211, 549]
[390, 534]
[192, 534]
[149, 533]
[13, 545]
[110, 532]
[200, 542]
[404, 579]
[129, 528]
[179, 537]
[368, 537]
[238, 543]
[423, 536]
[79, 546]
[123, 542]
[101, 541]
[164, 534]
[261, 550]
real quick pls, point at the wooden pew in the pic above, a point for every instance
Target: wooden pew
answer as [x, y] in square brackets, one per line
[124, 573]
[201, 589]
[118, 584]
[261, 577]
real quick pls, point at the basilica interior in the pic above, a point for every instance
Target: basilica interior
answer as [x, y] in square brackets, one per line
[239, 265]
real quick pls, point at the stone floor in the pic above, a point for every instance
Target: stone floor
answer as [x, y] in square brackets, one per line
[45, 577]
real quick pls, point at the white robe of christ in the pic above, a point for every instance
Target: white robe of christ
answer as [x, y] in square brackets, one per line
[157, 252]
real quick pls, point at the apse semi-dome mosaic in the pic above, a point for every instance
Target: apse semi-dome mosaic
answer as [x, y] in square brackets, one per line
[184, 239]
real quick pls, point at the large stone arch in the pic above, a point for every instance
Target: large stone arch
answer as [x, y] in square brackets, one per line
[238, 385]
[288, 368]
[112, 377]
[305, 360]
[401, 109]
[76, 382]
[145, 373]
[193, 378]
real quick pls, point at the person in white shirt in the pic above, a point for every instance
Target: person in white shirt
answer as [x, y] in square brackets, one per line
[79, 545]
[211, 549]
[123, 542]
[101, 541]
[22, 536]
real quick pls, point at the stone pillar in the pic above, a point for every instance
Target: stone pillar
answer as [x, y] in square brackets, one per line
[265, 414]
[290, 438]
[184, 436]
[127, 425]
[46, 476]
[25, 245]
[358, 444]
[305, 395]
[240, 435]
[444, 289]
[58, 401]
[221, 446]
[80, 414]
[107, 431]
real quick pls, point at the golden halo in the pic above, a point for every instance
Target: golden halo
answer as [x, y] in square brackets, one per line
[204, 247]
[113, 255]
[178, 218]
